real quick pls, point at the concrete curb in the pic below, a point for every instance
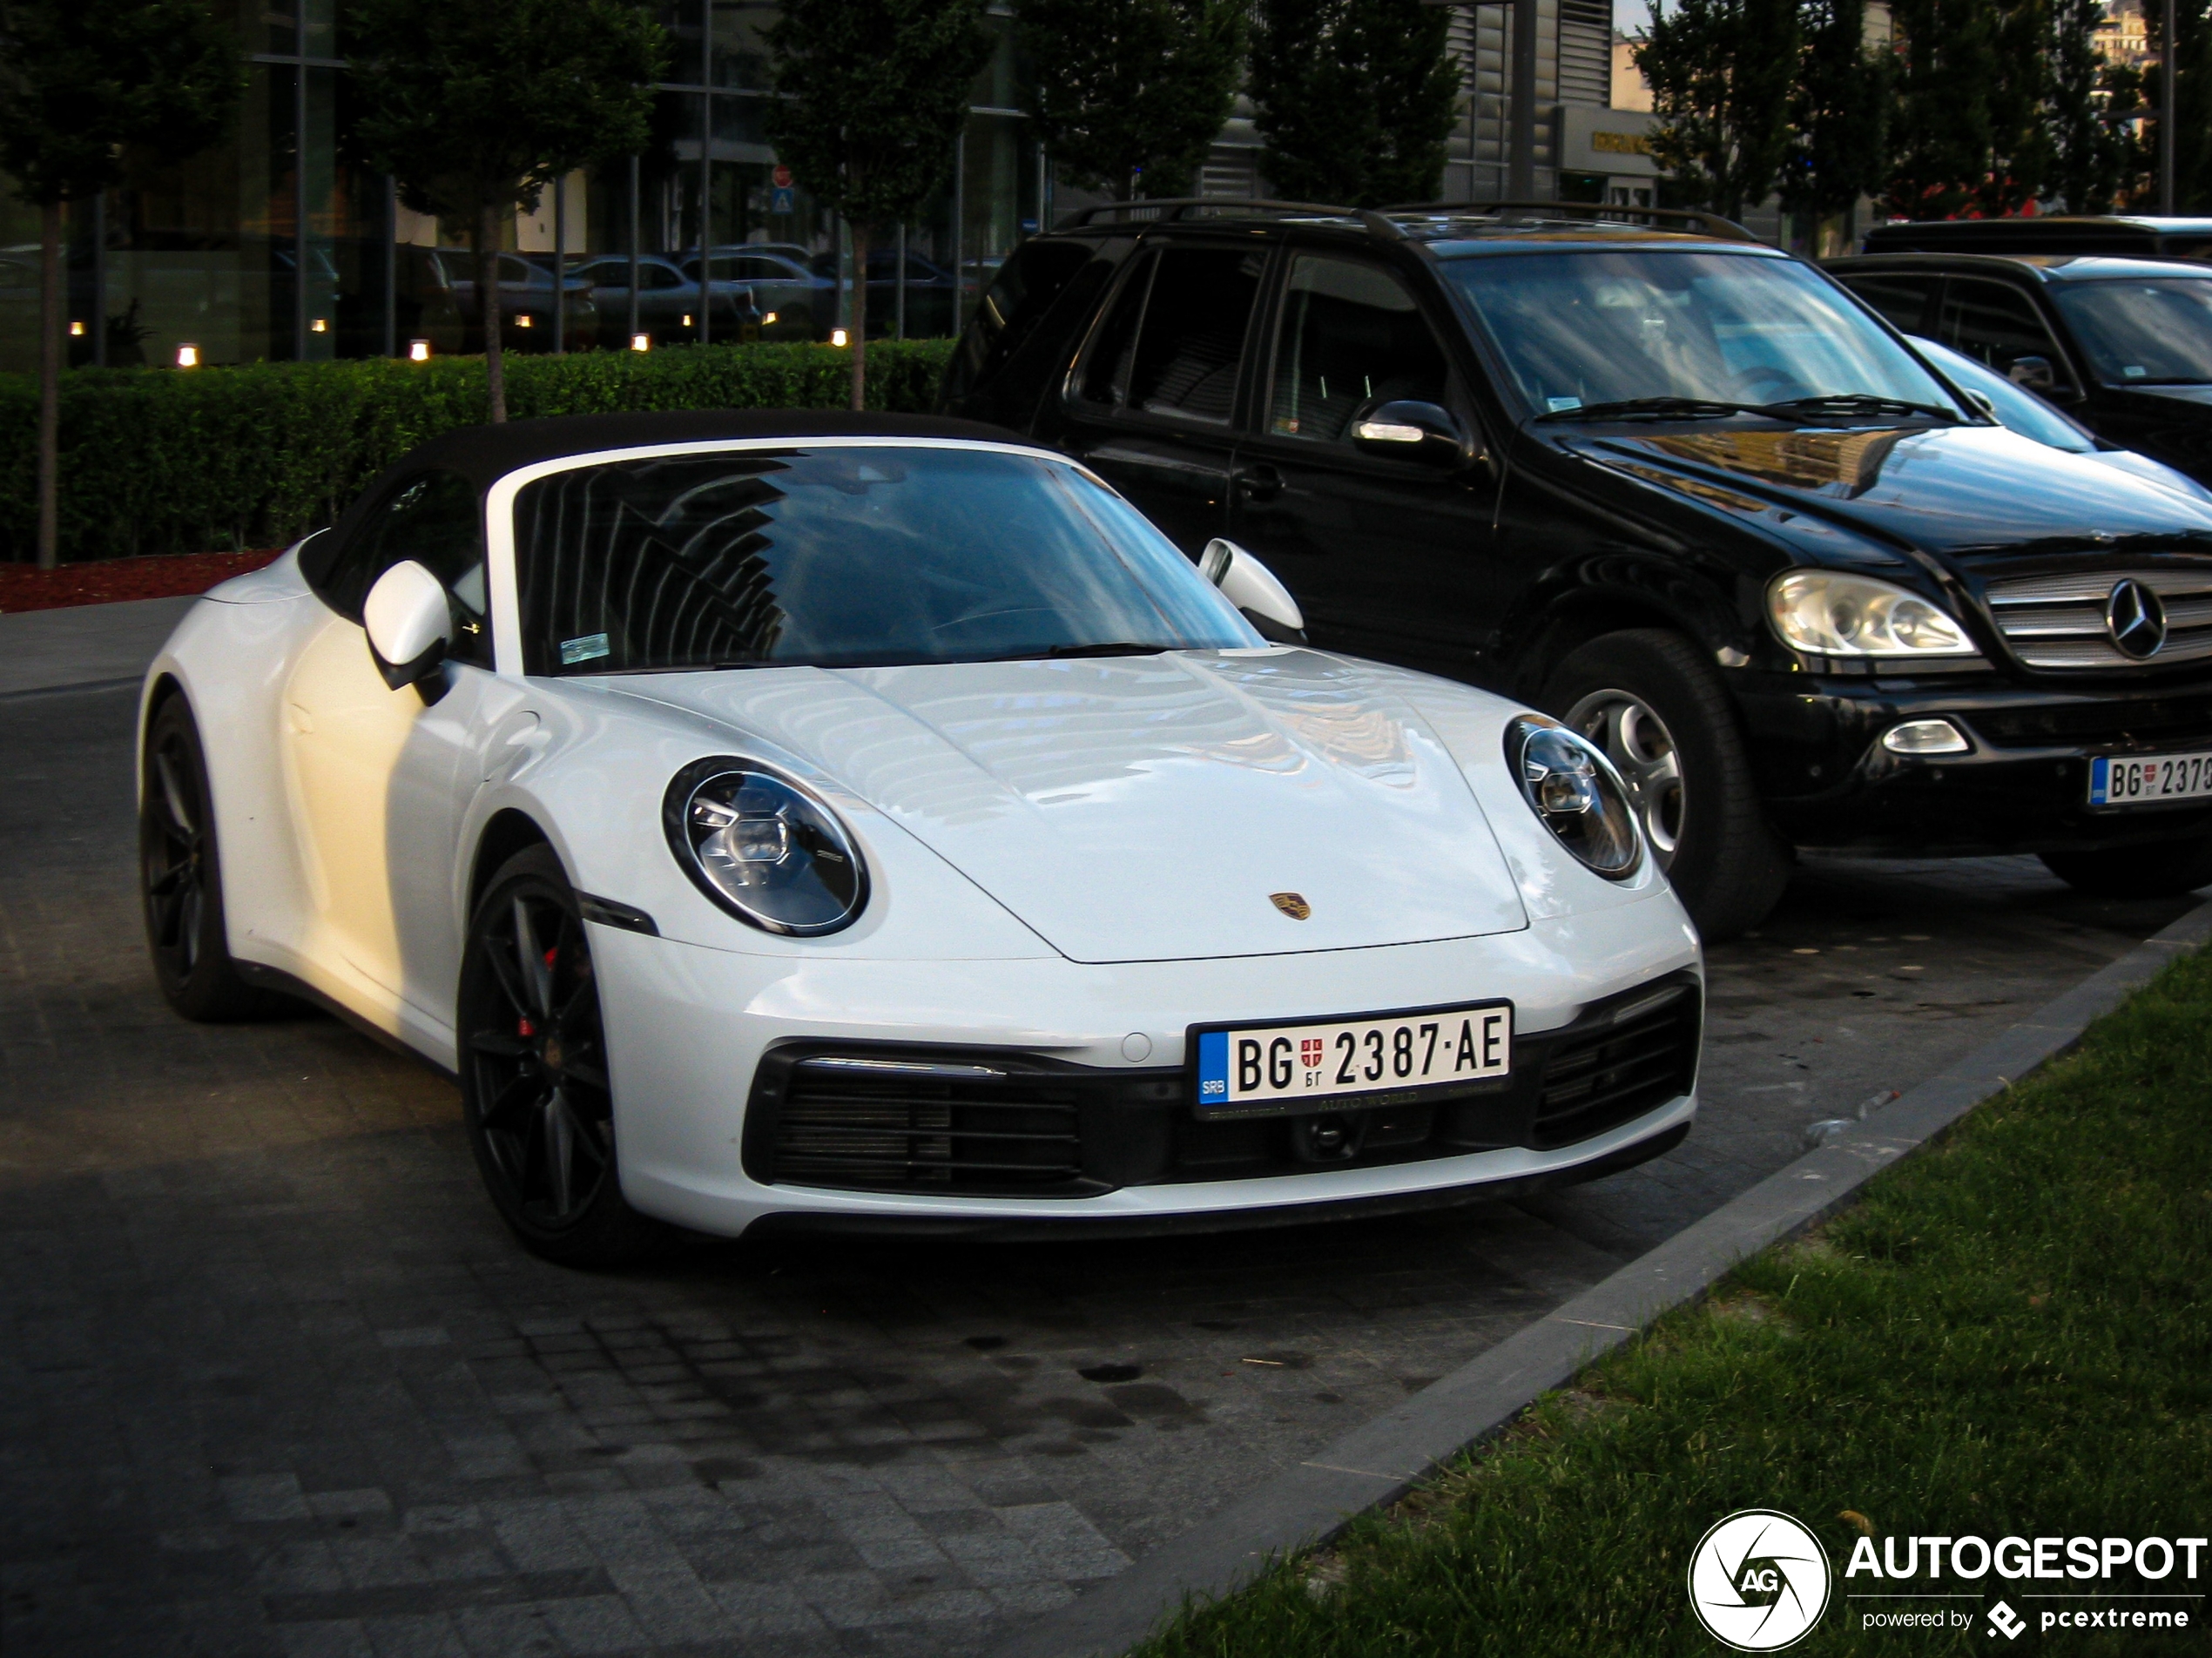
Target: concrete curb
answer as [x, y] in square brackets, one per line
[1379, 1462]
[84, 645]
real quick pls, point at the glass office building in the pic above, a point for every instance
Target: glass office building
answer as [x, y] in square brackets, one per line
[279, 245]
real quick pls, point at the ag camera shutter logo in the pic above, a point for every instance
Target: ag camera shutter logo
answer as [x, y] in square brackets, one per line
[1758, 1581]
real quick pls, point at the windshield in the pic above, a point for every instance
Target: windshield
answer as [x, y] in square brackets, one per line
[2015, 406]
[1588, 328]
[845, 557]
[2146, 331]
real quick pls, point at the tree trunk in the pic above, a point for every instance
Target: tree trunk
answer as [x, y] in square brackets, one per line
[50, 383]
[858, 336]
[487, 252]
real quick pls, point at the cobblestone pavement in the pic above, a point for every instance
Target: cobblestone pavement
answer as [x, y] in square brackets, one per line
[273, 1379]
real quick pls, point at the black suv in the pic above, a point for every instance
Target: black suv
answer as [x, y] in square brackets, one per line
[2124, 345]
[1678, 488]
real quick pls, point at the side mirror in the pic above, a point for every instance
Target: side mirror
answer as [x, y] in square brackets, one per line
[2034, 372]
[409, 622]
[1408, 430]
[1253, 588]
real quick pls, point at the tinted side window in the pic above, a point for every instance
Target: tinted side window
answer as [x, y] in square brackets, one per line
[436, 520]
[1996, 324]
[1351, 336]
[1106, 375]
[1034, 276]
[1903, 299]
[1193, 338]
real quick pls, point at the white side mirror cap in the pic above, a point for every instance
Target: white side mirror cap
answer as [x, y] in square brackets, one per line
[409, 622]
[1250, 585]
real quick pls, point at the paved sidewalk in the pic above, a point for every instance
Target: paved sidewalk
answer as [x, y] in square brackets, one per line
[84, 644]
[273, 1379]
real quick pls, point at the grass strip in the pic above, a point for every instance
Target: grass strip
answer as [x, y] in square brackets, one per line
[2010, 1334]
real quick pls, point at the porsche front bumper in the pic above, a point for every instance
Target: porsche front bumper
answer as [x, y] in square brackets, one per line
[699, 1039]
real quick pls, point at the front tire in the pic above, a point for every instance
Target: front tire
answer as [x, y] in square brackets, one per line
[1647, 697]
[180, 878]
[535, 1088]
[2165, 870]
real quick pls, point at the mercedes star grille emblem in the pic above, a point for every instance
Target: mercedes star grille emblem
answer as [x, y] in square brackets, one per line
[2136, 619]
[1291, 904]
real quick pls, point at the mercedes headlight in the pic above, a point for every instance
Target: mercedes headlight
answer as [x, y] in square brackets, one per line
[1572, 787]
[1830, 614]
[764, 850]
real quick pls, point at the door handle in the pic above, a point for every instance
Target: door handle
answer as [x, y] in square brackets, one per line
[1261, 482]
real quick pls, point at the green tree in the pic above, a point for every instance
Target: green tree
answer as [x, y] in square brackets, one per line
[875, 94]
[475, 108]
[1946, 57]
[1838, 149]
[1721, 73]
[1355, 98]
[2096, 160]
[80, 80]
[2020, 137]
[1131, 93]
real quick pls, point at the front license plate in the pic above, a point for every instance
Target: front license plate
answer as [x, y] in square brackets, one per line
[2149, 779]
[1278, 1067]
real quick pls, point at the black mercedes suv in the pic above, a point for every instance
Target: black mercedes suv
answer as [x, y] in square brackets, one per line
[1682, 490]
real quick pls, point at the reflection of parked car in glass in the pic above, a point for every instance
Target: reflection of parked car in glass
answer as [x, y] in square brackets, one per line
[2029, 415]
[2123, 344]
[1680, 489]
[929, 295]
[668, 299]
[525, 303]
[803, 303]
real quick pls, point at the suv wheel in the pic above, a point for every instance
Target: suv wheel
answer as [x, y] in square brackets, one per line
[1647, 697]
[2136, 872]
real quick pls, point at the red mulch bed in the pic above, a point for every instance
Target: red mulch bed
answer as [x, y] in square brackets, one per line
[106, 581]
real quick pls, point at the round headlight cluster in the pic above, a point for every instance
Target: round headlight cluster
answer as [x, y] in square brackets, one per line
[765, 850]
[1570, 785]
[1830, 613]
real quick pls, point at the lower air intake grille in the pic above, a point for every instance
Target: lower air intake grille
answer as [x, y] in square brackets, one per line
[870, 1125]
[2059, 621]
[1595, 1078]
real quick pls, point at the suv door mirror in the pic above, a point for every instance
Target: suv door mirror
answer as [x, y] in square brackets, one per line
[2035, 373]
[1405, 430]
[409, 619]
[1253, 588]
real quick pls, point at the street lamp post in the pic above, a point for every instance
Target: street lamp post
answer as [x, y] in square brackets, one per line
[2167, 134]
[1521, 148]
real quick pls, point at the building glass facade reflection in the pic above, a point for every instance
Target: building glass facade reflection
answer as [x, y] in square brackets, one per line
[278, 245]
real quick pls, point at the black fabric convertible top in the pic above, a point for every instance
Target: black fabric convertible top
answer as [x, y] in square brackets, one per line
[485, 454]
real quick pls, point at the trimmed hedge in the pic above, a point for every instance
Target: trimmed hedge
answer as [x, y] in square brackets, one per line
[164, 461]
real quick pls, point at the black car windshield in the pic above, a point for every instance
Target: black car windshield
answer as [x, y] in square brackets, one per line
[846, 556]
[1596, 329]
[2014, 405]
[2142, 331]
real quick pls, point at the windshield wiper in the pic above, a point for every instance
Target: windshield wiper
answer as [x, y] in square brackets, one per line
[1857, 403]
[1110, 647]
[1662, 408]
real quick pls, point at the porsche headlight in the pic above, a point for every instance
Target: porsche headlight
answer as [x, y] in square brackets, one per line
[765, 850]
[1571, 786]
[1834, 614]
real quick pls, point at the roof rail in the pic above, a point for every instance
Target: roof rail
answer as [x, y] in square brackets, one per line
[1171, 208]
[1690, 218]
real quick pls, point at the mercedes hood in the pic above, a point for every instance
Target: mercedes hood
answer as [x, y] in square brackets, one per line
[1956, 490]
[1147, 808]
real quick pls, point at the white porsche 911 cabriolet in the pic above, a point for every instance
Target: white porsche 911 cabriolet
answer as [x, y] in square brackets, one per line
[810, 820]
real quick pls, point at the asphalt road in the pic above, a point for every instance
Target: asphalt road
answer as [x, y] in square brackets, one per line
[273, 1379]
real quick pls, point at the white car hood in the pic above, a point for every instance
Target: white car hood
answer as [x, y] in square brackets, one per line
[1144, 808]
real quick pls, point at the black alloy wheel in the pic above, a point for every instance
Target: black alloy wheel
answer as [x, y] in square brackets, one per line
[1649, 697]
[536, 1092]
[181, 879]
